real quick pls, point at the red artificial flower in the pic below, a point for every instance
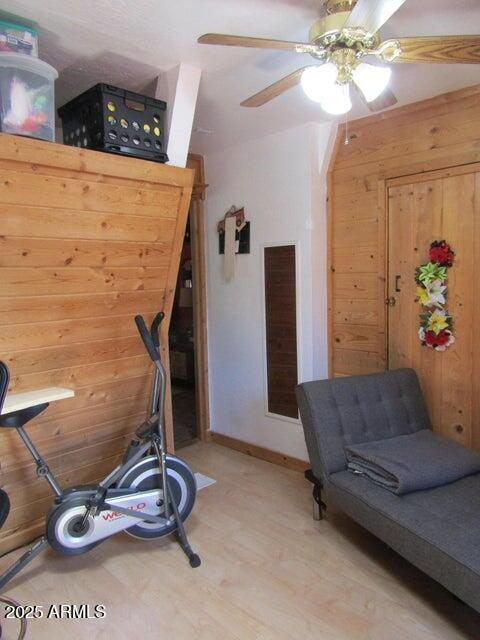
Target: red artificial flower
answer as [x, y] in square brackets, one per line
[441, 253]
[436, 340]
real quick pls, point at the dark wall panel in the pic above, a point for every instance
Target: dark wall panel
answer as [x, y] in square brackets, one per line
[281, 329]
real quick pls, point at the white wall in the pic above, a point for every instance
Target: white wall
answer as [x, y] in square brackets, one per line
[280, 180]
[179, 88]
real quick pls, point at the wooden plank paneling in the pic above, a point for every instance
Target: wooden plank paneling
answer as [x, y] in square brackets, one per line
[351, 362]
[63, 160]
[50, 282]
[55, 357]
[61, 252]
[351, 336]
[42, 222]
[442, 132]
[24, 309]
[87, 240]
[357, 286]
[88, 374]
[460, 220]
[73, 193]
[356, 260]
[348, 311]
[475, 435]
[46, 334]
[356, 233]
[414, 137]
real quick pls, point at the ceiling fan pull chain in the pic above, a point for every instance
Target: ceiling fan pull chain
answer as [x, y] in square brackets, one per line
[346, 141]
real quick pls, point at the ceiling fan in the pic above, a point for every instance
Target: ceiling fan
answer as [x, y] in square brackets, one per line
[339, 42]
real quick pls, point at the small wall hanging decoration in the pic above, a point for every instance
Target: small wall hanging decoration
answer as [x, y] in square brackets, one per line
[436, 324]
[234, 238]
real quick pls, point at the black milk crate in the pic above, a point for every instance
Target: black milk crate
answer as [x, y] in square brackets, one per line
[110, 119]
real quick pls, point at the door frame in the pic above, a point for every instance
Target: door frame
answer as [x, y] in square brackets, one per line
[383, 237]
[199, 277]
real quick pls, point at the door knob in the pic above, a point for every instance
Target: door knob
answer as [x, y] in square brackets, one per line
[390, 301]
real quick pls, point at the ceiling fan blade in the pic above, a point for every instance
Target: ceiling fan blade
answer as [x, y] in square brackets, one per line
[462, 49]
[257, 43]
[386, 99]
[370, 15]
[274, 90]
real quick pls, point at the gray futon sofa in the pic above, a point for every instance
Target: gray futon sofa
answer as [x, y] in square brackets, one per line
[437, 530]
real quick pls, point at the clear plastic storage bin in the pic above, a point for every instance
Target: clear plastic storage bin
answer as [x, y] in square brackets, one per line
[27, 104]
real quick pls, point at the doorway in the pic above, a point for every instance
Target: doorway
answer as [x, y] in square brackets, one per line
[440, 205]
[182, 351]
[188, 352]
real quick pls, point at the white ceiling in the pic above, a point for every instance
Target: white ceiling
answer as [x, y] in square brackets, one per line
[128, 43]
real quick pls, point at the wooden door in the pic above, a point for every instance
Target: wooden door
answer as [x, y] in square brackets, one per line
[444, 206]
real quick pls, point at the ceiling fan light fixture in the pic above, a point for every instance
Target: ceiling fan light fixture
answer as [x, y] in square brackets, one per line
[318, 81]
[371, 80]
[336, 100]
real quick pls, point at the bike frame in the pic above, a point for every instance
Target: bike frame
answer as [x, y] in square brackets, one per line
[43, 471]
[100, 495]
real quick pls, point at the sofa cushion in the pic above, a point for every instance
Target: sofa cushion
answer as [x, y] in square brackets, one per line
[358, 409]
[438, 530]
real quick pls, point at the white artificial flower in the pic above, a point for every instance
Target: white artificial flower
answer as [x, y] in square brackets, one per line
[435, 294]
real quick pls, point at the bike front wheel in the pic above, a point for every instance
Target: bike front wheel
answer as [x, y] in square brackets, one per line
[145, 475]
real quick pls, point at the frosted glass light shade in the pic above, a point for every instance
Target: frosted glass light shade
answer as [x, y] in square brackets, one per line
[317, 81]
[371, 80]
[337, 100]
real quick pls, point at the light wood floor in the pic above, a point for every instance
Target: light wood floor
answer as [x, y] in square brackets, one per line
[269, 572]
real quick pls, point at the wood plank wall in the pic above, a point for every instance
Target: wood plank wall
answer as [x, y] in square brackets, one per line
[87, 240]
[440, 132]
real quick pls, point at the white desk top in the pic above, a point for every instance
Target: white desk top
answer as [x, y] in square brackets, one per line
[17, 401]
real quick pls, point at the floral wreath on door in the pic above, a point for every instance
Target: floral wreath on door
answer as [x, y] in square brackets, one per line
[436, 324]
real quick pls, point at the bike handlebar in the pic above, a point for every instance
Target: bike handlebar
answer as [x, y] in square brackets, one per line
[154, 328]
[148, 341]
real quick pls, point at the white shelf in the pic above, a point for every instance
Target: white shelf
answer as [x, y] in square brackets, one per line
[17, 401]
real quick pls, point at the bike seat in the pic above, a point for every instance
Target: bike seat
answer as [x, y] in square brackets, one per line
[19, 418]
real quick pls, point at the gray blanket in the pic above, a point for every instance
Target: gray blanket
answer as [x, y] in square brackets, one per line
[420, 460]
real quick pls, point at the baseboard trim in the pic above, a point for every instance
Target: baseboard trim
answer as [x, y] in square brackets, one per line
[259, 452]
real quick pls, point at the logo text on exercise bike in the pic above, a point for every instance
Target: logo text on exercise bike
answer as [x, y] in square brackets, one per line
[114, 515]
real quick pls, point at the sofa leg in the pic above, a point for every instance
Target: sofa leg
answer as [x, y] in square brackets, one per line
[318, 505]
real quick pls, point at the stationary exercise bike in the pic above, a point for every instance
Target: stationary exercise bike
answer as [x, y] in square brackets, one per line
[149, 495]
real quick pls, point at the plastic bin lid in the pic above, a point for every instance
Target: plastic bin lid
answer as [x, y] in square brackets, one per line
[18, 27]
[28, 63]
